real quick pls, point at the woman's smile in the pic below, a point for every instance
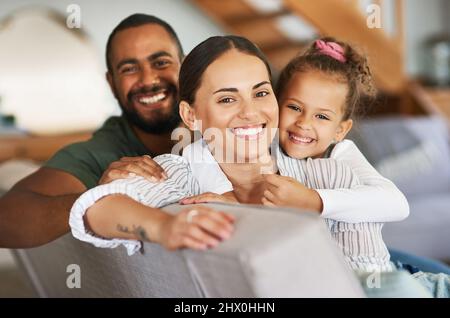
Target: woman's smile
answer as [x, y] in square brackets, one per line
[249, 132]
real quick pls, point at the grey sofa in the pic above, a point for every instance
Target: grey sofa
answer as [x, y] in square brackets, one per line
[415, 154]
[273, 253]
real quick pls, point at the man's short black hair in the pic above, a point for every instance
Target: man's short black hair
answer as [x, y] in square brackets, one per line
[136, 20]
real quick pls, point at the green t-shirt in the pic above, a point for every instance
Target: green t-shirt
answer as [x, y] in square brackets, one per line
[88, 160]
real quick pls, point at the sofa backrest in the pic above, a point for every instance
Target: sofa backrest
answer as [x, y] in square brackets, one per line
[273, 253]
[412, 152]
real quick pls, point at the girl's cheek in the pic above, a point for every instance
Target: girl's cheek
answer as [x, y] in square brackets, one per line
[285, 119]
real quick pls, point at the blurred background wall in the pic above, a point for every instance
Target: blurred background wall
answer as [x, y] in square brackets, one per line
[423, 18]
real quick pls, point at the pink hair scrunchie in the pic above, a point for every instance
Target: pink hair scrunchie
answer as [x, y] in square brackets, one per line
[331, 49]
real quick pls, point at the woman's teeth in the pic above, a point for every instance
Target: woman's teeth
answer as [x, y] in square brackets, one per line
[251, 131]
[152, 99]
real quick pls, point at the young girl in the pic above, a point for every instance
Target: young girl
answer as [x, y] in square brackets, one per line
[318, 93]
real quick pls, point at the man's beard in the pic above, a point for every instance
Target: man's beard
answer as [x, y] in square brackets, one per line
[160, 123]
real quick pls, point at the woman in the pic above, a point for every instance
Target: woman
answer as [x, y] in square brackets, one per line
[239, 113]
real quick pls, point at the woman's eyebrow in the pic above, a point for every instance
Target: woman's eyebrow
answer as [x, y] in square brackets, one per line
[260, 84]
[232, 89]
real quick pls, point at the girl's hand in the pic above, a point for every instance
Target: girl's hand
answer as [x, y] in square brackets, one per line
[286, 191]
[198, 228]
[143, 166]
[227, 197]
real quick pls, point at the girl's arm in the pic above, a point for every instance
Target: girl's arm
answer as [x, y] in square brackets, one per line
[377, 199]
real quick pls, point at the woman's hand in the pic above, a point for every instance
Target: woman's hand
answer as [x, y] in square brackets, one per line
[227, 197]
[143, 166]
[286, 191]
[197, 228]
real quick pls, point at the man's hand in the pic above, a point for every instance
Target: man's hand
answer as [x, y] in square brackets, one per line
[286, 191]
[227, 197]
[197, 228]
[143, 166]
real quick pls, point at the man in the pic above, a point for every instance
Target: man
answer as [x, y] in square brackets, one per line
[143, 56]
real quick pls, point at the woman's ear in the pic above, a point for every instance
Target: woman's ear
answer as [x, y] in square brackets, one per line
[187, 114]
[343, 128]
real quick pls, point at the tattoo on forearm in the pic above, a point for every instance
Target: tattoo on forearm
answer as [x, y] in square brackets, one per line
[139, 231]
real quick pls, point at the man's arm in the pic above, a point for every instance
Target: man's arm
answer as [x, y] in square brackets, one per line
[36, 210]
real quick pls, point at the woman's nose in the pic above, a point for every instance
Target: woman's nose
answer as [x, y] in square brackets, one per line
[248, 111]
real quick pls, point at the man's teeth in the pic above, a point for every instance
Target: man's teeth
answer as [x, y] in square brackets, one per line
[153, 99]
[247, 131]
[301, 139]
